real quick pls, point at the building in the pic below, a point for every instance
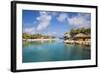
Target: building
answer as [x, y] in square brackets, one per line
[79, 39]
[82, 39]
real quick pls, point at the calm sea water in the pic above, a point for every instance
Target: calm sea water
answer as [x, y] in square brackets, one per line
[43, 51]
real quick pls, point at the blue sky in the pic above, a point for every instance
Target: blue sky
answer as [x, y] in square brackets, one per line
[53, 23]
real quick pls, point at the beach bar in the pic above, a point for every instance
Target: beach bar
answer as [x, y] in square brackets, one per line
[80, 38]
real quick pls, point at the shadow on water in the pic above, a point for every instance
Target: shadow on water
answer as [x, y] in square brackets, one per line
[77, 51]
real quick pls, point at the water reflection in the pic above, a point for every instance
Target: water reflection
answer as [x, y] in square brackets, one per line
[55, 50]
[36, 43]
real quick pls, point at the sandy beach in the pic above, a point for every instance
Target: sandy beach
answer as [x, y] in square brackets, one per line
[39, 39]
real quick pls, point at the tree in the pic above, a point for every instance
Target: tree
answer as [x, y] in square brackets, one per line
[73, 32]
[86, 31]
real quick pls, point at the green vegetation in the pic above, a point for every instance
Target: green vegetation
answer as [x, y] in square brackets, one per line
[86, 31]
[36, 36]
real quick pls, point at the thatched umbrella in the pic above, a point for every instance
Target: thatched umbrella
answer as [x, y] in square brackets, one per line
[81, 35]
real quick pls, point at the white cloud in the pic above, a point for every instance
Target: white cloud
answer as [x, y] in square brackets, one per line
[44, 20]
[51, 33]
[81, 20]
[43, 13]
[29, 30]
[62, 17]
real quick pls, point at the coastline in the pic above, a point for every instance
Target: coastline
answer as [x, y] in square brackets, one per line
[77, 42]
[30, 40]
[65, 41]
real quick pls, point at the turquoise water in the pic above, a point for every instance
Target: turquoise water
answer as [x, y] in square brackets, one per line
[43, 51]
